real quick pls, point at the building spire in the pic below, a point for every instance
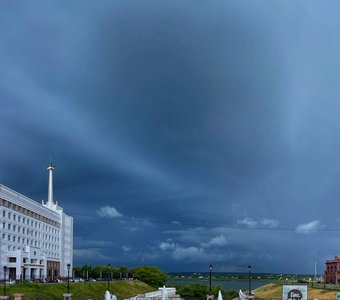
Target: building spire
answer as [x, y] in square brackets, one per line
[50, 169]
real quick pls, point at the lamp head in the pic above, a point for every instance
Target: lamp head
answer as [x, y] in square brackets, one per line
[249, 268]
[68, 266]
[5, 268]
[210, 268]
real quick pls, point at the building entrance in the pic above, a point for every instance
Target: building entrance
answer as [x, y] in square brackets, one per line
[12, 273]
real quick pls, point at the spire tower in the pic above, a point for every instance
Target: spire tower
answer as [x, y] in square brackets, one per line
[50, 169]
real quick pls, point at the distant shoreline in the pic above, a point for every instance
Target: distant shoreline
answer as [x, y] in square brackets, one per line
[226, 284]
[223, 279]
[222, 276]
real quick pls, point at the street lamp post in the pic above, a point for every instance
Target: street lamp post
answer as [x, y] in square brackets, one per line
[210, 269]
[108, 277]
[249, 270]
[68, 278]
[5, 271]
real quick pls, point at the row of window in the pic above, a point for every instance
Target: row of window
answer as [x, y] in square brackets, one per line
[13, 259]
[333, 268]
[35, 243]
[14, 248]
[26, 231]
[19, 239]
[27, 212]
[26, 221]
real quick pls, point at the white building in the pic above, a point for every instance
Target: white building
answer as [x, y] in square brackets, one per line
[36, 239]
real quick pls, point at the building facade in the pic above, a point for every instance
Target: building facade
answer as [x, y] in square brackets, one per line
[332, 273]
[36, 239]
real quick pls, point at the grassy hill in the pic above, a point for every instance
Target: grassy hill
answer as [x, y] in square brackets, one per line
[81, 291]
[273, 290]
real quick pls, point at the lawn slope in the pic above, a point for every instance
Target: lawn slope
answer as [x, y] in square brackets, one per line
[82, 291]
[273, 290]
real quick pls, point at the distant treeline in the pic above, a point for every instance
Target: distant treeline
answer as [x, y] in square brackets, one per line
[150, 275]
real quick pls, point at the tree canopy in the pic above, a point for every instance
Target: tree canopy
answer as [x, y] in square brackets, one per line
[150, 275]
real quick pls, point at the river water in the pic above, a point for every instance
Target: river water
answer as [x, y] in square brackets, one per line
[227, 284]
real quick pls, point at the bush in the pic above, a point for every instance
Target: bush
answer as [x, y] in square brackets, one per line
[150, 275]
[200, 290]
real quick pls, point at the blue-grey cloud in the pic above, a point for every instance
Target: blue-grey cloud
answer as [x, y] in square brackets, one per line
[108, 212]
[310, 227]
[203, 126]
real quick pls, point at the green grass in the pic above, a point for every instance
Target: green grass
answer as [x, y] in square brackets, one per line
[81, 291]
[273, 290]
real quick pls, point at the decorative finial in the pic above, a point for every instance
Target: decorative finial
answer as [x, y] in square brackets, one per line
[50, 166]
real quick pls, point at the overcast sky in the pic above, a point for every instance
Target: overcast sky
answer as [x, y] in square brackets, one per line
[184, 133]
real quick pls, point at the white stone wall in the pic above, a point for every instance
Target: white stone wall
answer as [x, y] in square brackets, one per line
[66, 244]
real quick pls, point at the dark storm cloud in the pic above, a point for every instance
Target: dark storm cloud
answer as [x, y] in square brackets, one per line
[181, 121]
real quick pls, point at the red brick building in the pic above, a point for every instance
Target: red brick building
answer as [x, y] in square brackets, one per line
[332, 273]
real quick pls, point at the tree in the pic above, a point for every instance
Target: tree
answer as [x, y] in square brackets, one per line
[77, 271]
[86, 270]
[115, 273]
[97, 272]
[124, 272]
[150, 275]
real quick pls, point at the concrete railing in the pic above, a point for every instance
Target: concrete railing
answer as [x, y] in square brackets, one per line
[170, 294]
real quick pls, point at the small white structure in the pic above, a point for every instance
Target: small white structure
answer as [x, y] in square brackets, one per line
[243, 296]
[164, 293]
[109, 296]
[219, 296]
